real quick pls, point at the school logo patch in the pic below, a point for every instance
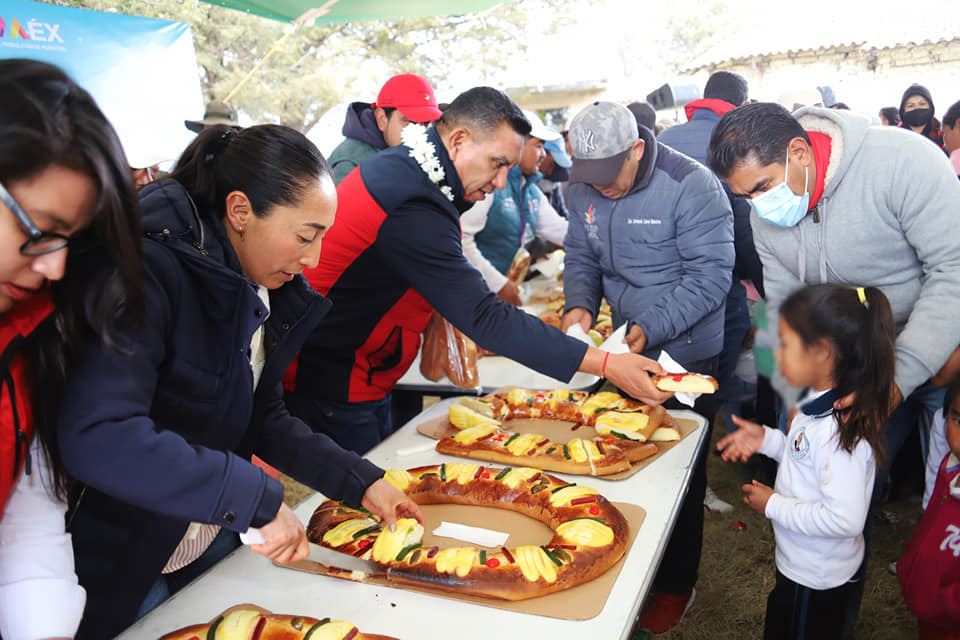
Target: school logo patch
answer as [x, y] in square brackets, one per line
[800, 446]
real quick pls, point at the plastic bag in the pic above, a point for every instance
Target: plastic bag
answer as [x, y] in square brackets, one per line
[448, 352]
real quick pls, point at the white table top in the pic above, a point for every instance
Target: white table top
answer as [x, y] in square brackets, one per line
[245, 577]
[498, 371]
[494, 372]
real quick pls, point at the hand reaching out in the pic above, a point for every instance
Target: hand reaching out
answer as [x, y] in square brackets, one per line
[636, 339]
[631, 372]
[756, 495]
[576, 316]
[742, 443]
[285, 538]
[388, 502]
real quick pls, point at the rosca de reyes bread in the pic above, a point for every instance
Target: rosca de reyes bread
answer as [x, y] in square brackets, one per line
[625, 430]
[590, 534]
[255, 623]
[686, 382]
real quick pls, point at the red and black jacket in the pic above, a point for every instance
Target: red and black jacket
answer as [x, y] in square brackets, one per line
[392, 256]
[16, 416]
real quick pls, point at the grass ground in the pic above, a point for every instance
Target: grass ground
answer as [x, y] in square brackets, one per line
[737, 567]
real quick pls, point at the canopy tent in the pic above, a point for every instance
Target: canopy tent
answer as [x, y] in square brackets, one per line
[309, 11]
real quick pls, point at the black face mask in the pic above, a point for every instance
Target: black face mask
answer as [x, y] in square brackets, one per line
[918, 117]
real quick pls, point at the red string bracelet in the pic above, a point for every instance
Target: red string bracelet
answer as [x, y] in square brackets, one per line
[603, 369]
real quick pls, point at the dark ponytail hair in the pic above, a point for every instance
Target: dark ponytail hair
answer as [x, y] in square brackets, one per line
[862, 335]
[273, 165]
[47, 119]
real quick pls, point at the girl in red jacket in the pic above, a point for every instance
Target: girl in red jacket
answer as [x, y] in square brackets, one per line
[70, 258]
[929, 571]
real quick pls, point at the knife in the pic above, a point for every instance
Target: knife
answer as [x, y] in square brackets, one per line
[325, 561]
[335, 564]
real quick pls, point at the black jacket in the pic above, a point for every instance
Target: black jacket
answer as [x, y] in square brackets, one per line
[163, 435]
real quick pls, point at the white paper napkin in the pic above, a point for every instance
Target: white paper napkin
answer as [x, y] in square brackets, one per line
[551, 265]
[673, 366]
[614, 342]
[576, 331]
[416, 448]
[475, 535]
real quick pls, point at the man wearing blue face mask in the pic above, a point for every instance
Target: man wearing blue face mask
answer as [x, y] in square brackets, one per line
[837, 200]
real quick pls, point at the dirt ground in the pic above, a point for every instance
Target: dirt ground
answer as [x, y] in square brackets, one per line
[737, 567]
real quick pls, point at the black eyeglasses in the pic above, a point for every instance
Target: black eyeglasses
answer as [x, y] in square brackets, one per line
[39, 242]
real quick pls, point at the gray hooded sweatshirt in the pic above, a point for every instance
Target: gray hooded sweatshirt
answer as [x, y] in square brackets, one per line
[889, 217]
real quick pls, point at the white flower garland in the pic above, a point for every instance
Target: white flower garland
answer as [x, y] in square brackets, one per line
[424, 152]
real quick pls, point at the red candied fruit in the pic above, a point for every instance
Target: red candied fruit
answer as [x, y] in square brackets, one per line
[493, 563]
[363, 544]
[678, 378]
[594, 510]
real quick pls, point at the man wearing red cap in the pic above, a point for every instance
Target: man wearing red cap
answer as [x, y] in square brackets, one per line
[370, 128]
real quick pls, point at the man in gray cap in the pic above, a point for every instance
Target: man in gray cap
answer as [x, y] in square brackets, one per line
[216, 113]
[651, 230]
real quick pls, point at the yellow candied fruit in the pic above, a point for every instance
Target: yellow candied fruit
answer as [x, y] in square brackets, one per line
[562, 497]
[389, 543]
[523, 443]
[238, 624]
[518, 396]
[581, 450]
[601, 400]
[585, 532]
[460, 472]
[515, 476]
[482, 407]
[343, 532]
[463, 417]
[471, 435]
[563, 395]
[623, 421]
[457, 560]
[399, 478]
[333, 630]
[534, 563]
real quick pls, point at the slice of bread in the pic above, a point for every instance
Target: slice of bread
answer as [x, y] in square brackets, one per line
[687, 382]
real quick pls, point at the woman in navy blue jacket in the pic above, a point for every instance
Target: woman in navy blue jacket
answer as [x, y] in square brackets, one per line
[160, 430]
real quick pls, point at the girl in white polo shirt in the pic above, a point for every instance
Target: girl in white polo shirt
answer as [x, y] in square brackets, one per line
[836, 341]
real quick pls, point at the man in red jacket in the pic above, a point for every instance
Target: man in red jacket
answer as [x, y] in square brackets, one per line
[394, 255]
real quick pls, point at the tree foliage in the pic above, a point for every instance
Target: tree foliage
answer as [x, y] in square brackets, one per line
[320, 66]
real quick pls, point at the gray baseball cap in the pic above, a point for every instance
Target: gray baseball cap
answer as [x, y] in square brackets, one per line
[601, 135]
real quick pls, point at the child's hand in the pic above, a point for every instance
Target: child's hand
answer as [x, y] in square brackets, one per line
[742, 443]
[756, 496]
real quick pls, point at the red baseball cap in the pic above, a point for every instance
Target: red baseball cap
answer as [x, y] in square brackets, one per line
[412, 94]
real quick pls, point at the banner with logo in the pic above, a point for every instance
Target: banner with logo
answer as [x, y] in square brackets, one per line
[142, 71]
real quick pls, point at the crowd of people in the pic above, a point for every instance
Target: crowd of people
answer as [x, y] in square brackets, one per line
[168, 342]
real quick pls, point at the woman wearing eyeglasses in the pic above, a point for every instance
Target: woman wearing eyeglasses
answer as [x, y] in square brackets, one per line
[64, 184]
[162, 434]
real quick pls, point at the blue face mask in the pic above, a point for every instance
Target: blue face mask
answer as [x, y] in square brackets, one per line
[780, 205]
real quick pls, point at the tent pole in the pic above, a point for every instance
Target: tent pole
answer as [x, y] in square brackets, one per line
[308, 17]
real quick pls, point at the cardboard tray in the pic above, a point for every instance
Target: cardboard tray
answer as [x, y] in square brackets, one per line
[582, 602]
[559, 431]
